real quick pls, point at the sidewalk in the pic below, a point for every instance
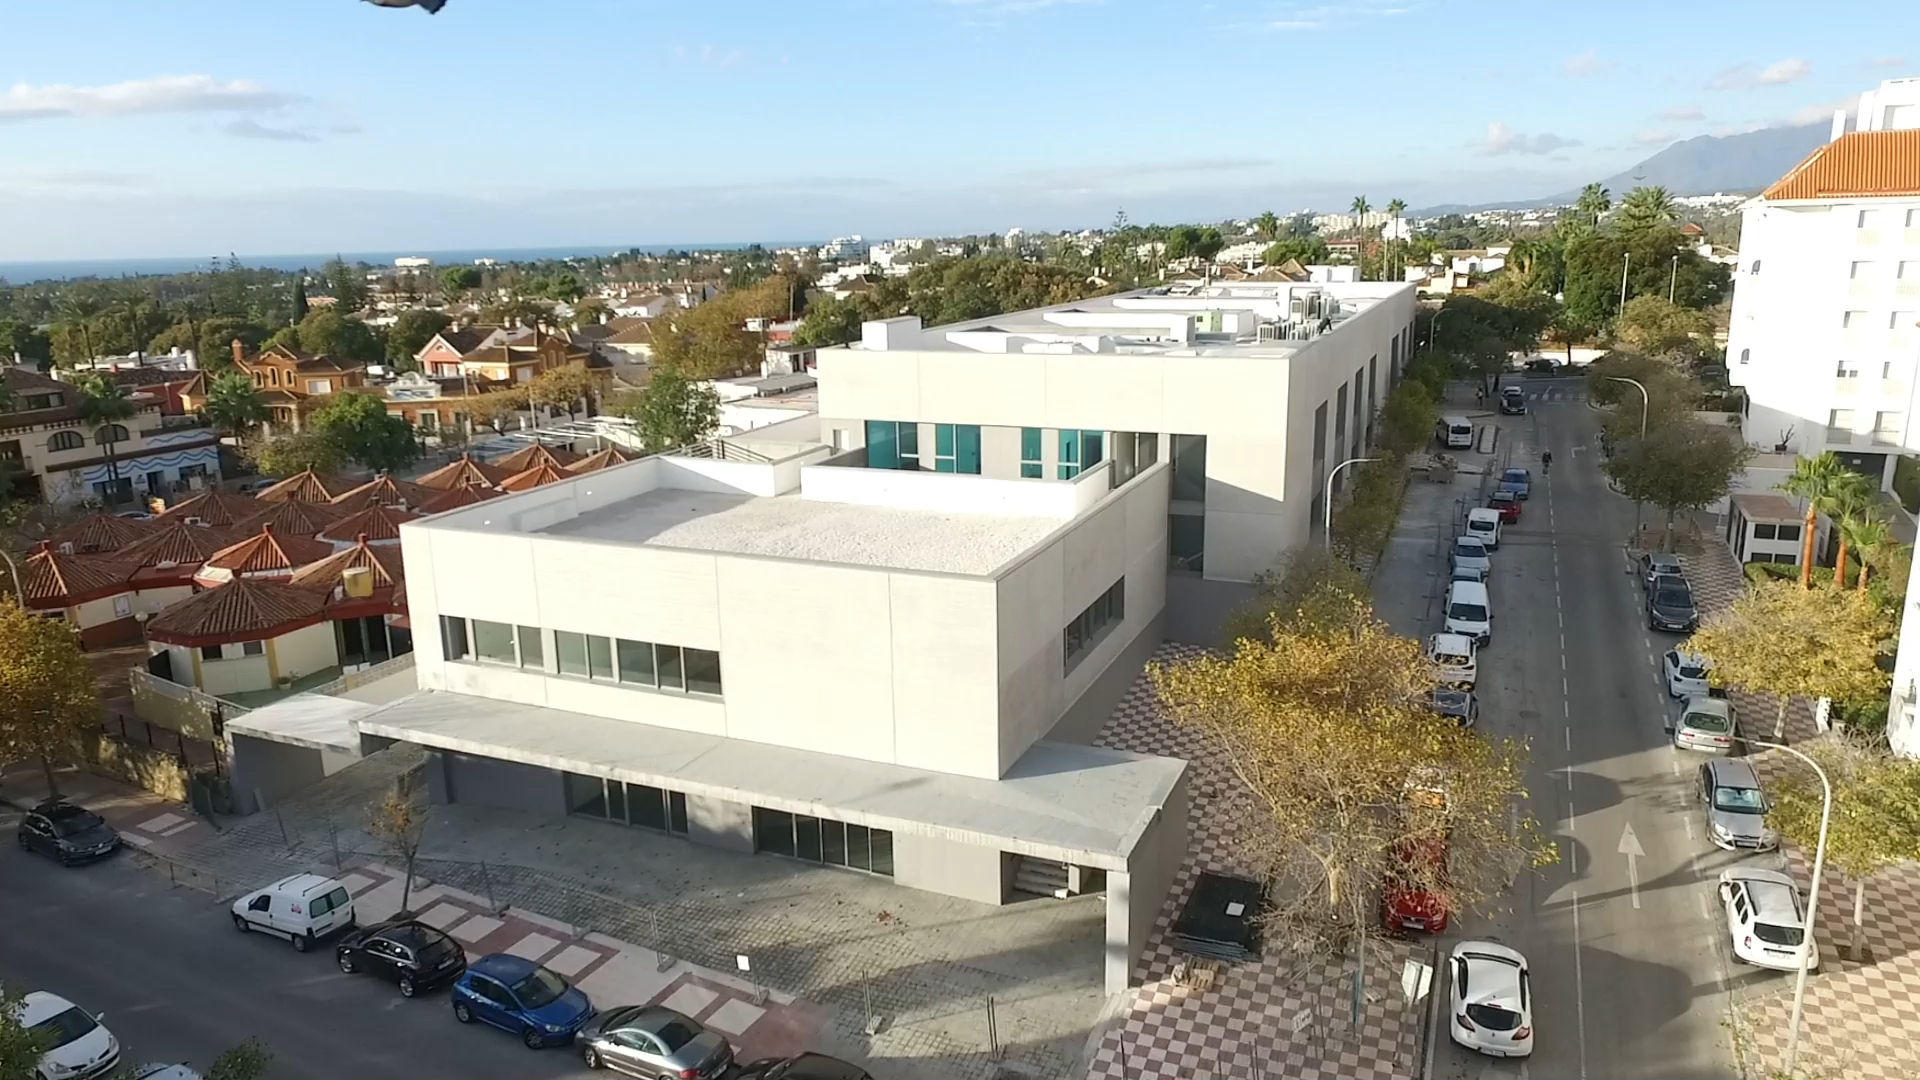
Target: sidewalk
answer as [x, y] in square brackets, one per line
[145, 821]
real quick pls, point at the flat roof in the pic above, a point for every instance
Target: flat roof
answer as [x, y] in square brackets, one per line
[1080, 804]
[313, 721]
[791, 527]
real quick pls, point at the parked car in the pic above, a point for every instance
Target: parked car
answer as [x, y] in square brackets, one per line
[1485, 524]
[1492, 999]
[1454, 660]
[651, 1041]
[1404, 904]
[1705, 723]
[807, 1066]
[412, 955]
[1457, 705]
[522, 997]
[74, 1044]
[1506, 503]
[1469, 611]
[72, 834]
[1670, 606]
[1540, 365]
[164, 1071]
[303, 909]
[1735, 806]
[1657, 564]
[1686, 674]
[1765, 919]
[1519, 480]
[1513, 401]
[1471, 552]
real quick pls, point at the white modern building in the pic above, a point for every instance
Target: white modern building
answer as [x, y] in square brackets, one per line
[884, 637]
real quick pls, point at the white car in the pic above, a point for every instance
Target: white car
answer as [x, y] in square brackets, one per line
[1455, 660]
[1492, 999]
[77, 1045]
[303, 909]
[1686, 674]
[1766, 919]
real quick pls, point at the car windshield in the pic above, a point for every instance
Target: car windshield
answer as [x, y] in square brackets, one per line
[540, 988]
[1674, 598]
[1739, 800]
[1450, 659]
[1469, 549]
[1711, 723]
[1777, 935]
[62, 1028]
[1514, 476]
[76, 822]
[1692, 671]
[677, 1033]
[437, 948]
[1493, 1017]
[1468, 612]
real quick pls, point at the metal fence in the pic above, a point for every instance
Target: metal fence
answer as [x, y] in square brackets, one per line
[193, 753]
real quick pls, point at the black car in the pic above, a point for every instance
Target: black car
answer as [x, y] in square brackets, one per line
[808, 1066]
[1459, 706]
[1540, 365]
[1513, 402]
[72, 834]
[1670, 606]
[411, 954]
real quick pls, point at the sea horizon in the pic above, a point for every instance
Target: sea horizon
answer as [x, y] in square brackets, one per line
[24, 271]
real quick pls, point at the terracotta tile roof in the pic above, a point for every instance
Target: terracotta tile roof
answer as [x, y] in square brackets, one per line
[1863, 163]
[54, 580]
[373, 523]
[244, 609]
[214, 508]
[539, 476]
[527, 457]
[384, 563]
[607, 458]
[266, 552]
[457, 498]
[290, 518]
[96, 533]
[467, 339]
[382, 490]
[635, 331]
[308, 486]
[463, 472]
[179, 543]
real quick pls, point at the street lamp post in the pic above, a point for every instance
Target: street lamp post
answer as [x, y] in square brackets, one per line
[1646, 404]
[1327, 524]
[1432, 325]
[1813, 898]
[1625, 262]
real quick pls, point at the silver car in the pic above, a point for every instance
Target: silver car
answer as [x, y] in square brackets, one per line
[1470, 554]
[1735, 806]
[653, 1041]
[1704, 723]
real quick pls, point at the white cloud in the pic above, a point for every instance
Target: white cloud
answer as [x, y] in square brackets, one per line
[1683, 112]
[1586, 63]
[1339, 13]
[1818, 113]
[1887, 62]
[165, 94]
[1501, 140]
[1653, 138]
[1742, 76]
[245, 127]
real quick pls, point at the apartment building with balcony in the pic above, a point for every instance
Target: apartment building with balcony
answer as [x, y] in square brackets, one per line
[60, 457]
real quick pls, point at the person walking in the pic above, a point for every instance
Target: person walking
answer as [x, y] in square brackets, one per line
[1546, 461]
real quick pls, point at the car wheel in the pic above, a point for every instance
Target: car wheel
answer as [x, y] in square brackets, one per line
[532, 1039]
[407, 989]
[22, 837]
[240, 924]
[345, 959]
[591, 1056]
[302, 942]
[462, 1013]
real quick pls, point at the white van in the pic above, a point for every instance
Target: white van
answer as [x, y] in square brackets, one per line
[1468, 611]
[302, 909]
[1484, 522]
[1454, 432]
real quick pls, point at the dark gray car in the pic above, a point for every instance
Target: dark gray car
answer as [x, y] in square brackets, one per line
[651, 1041]
[69, 833]
[1736, 808]
[1670, 606]
[1459, 706]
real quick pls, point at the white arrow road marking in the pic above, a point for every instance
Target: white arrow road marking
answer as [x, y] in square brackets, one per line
[1630, 847]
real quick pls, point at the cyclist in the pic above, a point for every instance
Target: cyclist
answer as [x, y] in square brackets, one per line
[1546, 461]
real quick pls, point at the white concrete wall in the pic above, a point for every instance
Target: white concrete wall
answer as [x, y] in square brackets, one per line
[154, 601]
[968, 871]
[92, 613]
[948, 492]
[305, 651]
[222, 677]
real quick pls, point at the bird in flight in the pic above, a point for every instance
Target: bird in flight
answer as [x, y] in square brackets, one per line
[433, 6]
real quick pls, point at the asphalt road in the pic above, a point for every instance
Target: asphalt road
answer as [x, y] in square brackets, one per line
[178, 983]
[1624, 934]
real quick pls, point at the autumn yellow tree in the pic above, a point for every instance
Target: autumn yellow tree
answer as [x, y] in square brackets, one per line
[1340, 768]
[398, 823]
[494, 409]
[47, 692]
[566, 388]
[1786, 641]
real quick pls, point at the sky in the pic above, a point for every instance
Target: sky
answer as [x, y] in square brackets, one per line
[154, 128]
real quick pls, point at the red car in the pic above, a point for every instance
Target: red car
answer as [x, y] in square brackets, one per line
[1507, 503]
[1408, 907]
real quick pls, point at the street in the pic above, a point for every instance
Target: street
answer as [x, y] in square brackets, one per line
[177, 983]
[1624, 935]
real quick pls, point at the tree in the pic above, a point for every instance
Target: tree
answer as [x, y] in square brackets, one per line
[1854, 498]
[1787, 641]
[104, 404]
[1682, 467]
[1814, 480]
[1267, 226]
[246, 1061]
[410, 332]
[347, 285]
[493, 409]
[830, 321]
[565, 387]
[590, 311]
[1875, 821]
[300, 307]
[1407, 418]
[292, 453]
[1321, 721]
[233, 404]
[1645, 209]
[1361, 208]
[1191, 242]
[459, 279]
[398, 823]
[1306, 250]
[326, 332]
[1593, 202]
[360, 426]
[708, 342]
[24, 340]
[1671, 397]
[1652, 325]
[518, 311]
[1871, 539]
[671, 412]
[47, 691]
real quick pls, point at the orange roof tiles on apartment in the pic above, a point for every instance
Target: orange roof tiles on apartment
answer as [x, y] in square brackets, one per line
[382, 490]
[1859, 164]
[457, 498]
[373, 523]
[97, 533]
[244, 609]
[290, 518]
[55, 580]
[527, 457]
[267, 552]
[308, 486]
[213, 508]
[538, 476]
[463, 471]
[180, 544]
[603, 459]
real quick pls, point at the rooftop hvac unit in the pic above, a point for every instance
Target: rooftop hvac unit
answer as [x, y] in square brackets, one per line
[358, 581]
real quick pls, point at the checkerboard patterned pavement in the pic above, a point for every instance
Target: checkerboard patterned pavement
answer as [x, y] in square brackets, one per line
[1863, 1008]
[1242, 1026]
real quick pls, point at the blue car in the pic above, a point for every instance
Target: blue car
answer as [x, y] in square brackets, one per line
[522, 997]
[1519, 481]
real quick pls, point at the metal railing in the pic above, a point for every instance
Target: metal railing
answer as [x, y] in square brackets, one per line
[722, 450]
[192, 753]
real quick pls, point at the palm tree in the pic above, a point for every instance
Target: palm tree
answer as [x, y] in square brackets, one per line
[78, 310]
[105, 404]
[1850, 502]
[1267, 226]
[1814, 480]
[1361, 208]
[233, 405]
[1594, 201]
[1870, 536]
